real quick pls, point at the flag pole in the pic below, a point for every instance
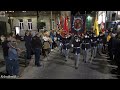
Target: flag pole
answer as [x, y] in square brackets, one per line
[78, 15]
[51, 21]
[85, 22]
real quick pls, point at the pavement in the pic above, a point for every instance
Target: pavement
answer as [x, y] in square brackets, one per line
[55, 67]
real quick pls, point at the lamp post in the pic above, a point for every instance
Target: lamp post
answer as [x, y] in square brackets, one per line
[85, 21]
[51, 21]
[9, 21]
[37, 20]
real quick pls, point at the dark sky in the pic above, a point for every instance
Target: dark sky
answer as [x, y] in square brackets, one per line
[81, 12]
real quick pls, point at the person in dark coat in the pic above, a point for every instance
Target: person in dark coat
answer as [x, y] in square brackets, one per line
[37, 47]
[28, 39]
[117, 54]
[5, 51]
[117, 51]
[112, 45]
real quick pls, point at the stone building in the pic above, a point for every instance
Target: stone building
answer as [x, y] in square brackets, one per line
[4, 25]
[27, 20]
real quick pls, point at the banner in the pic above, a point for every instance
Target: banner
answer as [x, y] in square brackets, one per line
[78, 24]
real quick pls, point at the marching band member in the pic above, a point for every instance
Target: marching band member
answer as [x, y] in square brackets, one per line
[66, 46]
[93, 47]
[59, 41]
[76, 50]
[86, 48]
[100, 44]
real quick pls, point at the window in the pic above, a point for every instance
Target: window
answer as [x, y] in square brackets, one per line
[29, 24]
[21, 24]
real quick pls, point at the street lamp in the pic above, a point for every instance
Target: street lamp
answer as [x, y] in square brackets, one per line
[89, 18]
[89, 22]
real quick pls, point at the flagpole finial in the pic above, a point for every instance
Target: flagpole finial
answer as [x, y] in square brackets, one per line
[78, 13]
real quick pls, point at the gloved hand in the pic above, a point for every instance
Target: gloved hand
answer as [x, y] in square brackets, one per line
[72, 45]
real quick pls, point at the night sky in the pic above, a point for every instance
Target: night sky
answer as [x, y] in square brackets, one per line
[81, 12]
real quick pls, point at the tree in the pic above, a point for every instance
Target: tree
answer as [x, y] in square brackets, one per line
[40, 25]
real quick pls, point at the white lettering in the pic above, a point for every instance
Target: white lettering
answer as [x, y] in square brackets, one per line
[8, 77]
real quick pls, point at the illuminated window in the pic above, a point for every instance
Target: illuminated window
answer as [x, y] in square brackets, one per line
[118, 12]
[10, 11]
[23, 11]
[29, 24]
[21, 24]
[99, 19]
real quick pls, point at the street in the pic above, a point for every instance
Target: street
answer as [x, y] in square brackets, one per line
[57, 68]
[93, 28]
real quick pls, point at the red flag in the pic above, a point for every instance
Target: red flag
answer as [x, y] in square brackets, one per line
[66, 24]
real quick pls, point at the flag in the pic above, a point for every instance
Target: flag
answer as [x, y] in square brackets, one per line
[65, 28]
[78, 24]
[96, 28]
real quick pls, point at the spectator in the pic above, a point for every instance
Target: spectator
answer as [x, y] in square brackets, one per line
[13, 56]
[117, 52]
[2, 38]
[28, 39]
[5, 51]
[37, 46]
[46, 44]
[52, 37]
[112, 45]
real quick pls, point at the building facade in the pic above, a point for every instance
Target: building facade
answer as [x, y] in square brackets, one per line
[27, 20]
[4, 25]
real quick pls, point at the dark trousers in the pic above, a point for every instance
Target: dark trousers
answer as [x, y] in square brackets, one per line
[37, 56]
[13, 67]
[6, 63]
[104, 49]
[110, 55]
[28, 53]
